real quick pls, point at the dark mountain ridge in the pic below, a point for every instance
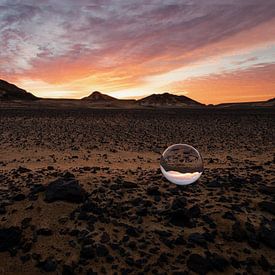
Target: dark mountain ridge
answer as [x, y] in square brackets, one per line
[10, 91]
[97, 96]
[168, 100]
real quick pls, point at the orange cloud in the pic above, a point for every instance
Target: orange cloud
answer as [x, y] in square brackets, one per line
[253, 84]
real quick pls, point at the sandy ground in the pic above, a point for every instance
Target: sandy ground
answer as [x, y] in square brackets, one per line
[132, 220]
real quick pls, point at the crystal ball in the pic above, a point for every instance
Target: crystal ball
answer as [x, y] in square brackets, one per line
[181, 164]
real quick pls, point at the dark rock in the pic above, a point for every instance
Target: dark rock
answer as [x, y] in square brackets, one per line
[267, 206]
[218, 262]
[25, 223]
[180, 217]
[235, 263]
[26, 247]
[68, 175]
[184, 216]
[19, 197]
[65, 190]
[105, 238]
[238, 233]
[229, 216]
[37, 188]
[142, 211]
[90, 206]
[101, 250]
[194, 211]
[44, 232]
[198, 264]
[163, 233]
[129, 184]
[9, 238]
[267, 236]
[179, 203]
[263, 262]
[68, 270]
[153, 190]
[131, 231]
[22, 170]
[25, 258]
[91, 272]
[49, 265]
[3, 210]
[209, 221]
[267, 190]
[214, 184]
[198, 239]
[87, 251]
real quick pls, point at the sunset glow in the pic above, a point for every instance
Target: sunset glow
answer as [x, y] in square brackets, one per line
[219, 51]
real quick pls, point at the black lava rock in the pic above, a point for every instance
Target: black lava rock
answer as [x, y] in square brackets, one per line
[49, 265]
[267, 206]
[9, 238]
[131, 231]
[129, 184]
[218, 262]
[87, 251]
[267, 236]
[19, 197]
[153, 190]
[44, 232]
[238, 233]
[179, 203]
[263, 262]
[2, 210]
[267, 190]
[65, 190]
[229, 216]
[198, 264]
[101, 250]
[198, 239]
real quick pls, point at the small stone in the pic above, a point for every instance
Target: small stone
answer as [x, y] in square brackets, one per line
[267, 206]
[198, 239]
[65, 190]
[19, 197]
[229, 216]
[44, 232]
[153, 190]
[198, 264]
[9, 238]
[49, 265]
[87, 251]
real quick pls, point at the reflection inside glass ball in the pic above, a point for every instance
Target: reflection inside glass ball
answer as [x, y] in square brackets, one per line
[181, 164]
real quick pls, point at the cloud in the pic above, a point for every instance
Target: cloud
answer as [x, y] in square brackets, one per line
[251, 84]
[120, 43]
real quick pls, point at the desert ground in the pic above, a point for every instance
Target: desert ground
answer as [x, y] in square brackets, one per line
[117, 213]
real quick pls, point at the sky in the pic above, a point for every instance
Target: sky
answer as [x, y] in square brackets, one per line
[212, 51]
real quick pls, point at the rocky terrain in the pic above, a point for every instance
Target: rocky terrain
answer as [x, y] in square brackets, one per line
[81, 192]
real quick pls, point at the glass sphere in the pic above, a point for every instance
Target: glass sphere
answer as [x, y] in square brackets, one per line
[181, 164]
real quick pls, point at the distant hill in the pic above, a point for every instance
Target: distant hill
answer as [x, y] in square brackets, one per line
[9, 91]
[97, 97]
[168, 100]
[257, 104]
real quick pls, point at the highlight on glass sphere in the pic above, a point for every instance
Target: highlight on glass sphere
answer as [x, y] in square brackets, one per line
[181, 164]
